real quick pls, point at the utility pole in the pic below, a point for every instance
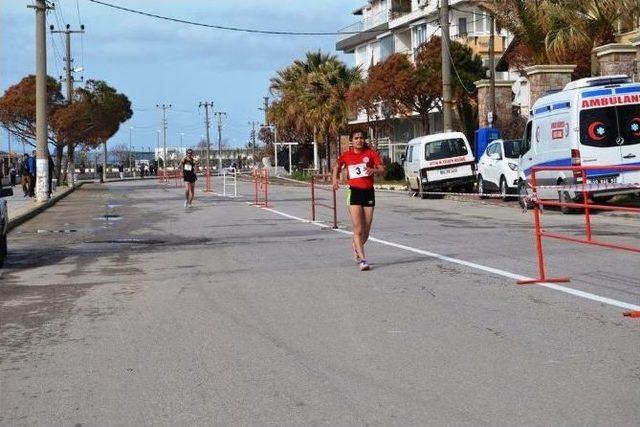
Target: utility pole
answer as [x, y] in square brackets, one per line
[253, 139]
[158, 151]
[164, 137]
[446, 66]
[266, 110]
[207, 124]
[9, 147]
[130, 169]
[68, 59]
[492, 72]
[42, 152]
[69, 79]
[219, 115]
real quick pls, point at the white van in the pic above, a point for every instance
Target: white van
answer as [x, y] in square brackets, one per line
[440, 162]
[591, 122]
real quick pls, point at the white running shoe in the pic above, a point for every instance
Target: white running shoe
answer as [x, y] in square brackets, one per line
[364, 266]
[356, 257]
[186, 204]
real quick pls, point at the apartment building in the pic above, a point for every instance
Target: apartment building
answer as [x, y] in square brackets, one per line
[386, 27]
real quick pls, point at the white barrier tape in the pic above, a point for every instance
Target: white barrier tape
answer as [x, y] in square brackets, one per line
[591, 186]
[451, 193]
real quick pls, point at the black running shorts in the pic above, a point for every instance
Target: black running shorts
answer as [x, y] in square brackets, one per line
[361, 197]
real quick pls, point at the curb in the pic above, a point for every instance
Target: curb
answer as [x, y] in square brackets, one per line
[22, 218]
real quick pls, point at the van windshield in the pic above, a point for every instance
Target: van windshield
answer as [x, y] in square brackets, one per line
[445, 148]
[610, 126]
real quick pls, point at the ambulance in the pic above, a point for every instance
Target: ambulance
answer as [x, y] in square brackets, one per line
[591, 122]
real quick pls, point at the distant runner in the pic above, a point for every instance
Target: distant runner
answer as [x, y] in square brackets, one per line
[361, 163]
[188, 166]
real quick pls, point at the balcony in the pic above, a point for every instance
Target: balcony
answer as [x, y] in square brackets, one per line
[362, 31]
[479, 43]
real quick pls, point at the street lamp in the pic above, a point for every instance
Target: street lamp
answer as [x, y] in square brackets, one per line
[130, 170]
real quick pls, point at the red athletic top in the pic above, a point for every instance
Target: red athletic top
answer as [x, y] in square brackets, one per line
[355, 162]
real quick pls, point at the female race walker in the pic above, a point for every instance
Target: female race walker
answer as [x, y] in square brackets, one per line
[188, 166]
[361, 163]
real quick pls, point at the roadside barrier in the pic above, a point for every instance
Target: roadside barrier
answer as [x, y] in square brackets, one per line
[585, 206]
[207, 181]
[231, 182]
[176, 175]
[314, 201]
[261, 187]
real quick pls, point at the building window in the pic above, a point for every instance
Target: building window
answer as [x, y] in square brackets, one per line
[481, 23]
[386, 47]
[419, 35]
[462, 26]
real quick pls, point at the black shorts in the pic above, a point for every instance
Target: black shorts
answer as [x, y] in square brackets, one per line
[189, 177]
[361, 197]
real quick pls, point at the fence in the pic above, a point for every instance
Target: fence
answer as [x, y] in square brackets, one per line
[315, 203]
[207, 181]
[230, 182]
[261, 188]
[586, 189]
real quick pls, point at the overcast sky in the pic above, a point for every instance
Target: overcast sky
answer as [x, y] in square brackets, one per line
[155, 62]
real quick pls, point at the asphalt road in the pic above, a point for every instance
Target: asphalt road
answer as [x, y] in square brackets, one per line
[120, 307]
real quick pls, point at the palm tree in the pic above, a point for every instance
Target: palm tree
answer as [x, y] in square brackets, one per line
[563, 31]
[312, 95]
[526, 20]
[579, 26]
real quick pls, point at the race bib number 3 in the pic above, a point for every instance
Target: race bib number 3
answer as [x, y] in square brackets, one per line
[187, 167]
[357, 171]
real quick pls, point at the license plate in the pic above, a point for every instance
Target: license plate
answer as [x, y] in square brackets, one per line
[604, 180]
[448, 171]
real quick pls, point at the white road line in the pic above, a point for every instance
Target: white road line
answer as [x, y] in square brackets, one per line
[495, 271]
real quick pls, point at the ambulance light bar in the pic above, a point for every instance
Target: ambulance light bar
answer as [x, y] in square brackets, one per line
[598, 81]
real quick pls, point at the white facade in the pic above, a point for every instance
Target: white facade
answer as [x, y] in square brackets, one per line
[401, 26]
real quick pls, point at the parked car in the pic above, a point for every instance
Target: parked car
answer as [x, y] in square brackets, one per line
[593, 122]
[4, 223]
[440, 162]
[498, 168]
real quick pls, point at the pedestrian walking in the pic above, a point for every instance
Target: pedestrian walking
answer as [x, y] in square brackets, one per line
[23, 171]
[188, 166]
[12, 176]
[361, 163]
[31, 166]
[100, 170]
[50, 176]
[121, 171]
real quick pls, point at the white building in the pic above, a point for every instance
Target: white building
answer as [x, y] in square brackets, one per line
[401, 26]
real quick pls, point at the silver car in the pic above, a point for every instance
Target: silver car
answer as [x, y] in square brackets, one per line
[4, 223]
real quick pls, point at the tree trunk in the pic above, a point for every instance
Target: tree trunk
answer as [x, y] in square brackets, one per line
[104, 162]
[425, 123]
[327, 151]
[71, 166]
[58, 166]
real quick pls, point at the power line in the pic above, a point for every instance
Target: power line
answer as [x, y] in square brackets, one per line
[237, 29]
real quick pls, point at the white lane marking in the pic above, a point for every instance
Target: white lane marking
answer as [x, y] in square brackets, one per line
[495, 271]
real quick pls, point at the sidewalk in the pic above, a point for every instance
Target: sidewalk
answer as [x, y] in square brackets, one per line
[22, 208]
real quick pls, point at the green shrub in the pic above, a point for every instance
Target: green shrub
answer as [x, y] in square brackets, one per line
[395, 172]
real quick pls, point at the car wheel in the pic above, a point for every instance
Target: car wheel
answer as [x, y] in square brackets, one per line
[599, 200]
[481, 190]
[564, 197]
[523, 193]
[504, 190]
